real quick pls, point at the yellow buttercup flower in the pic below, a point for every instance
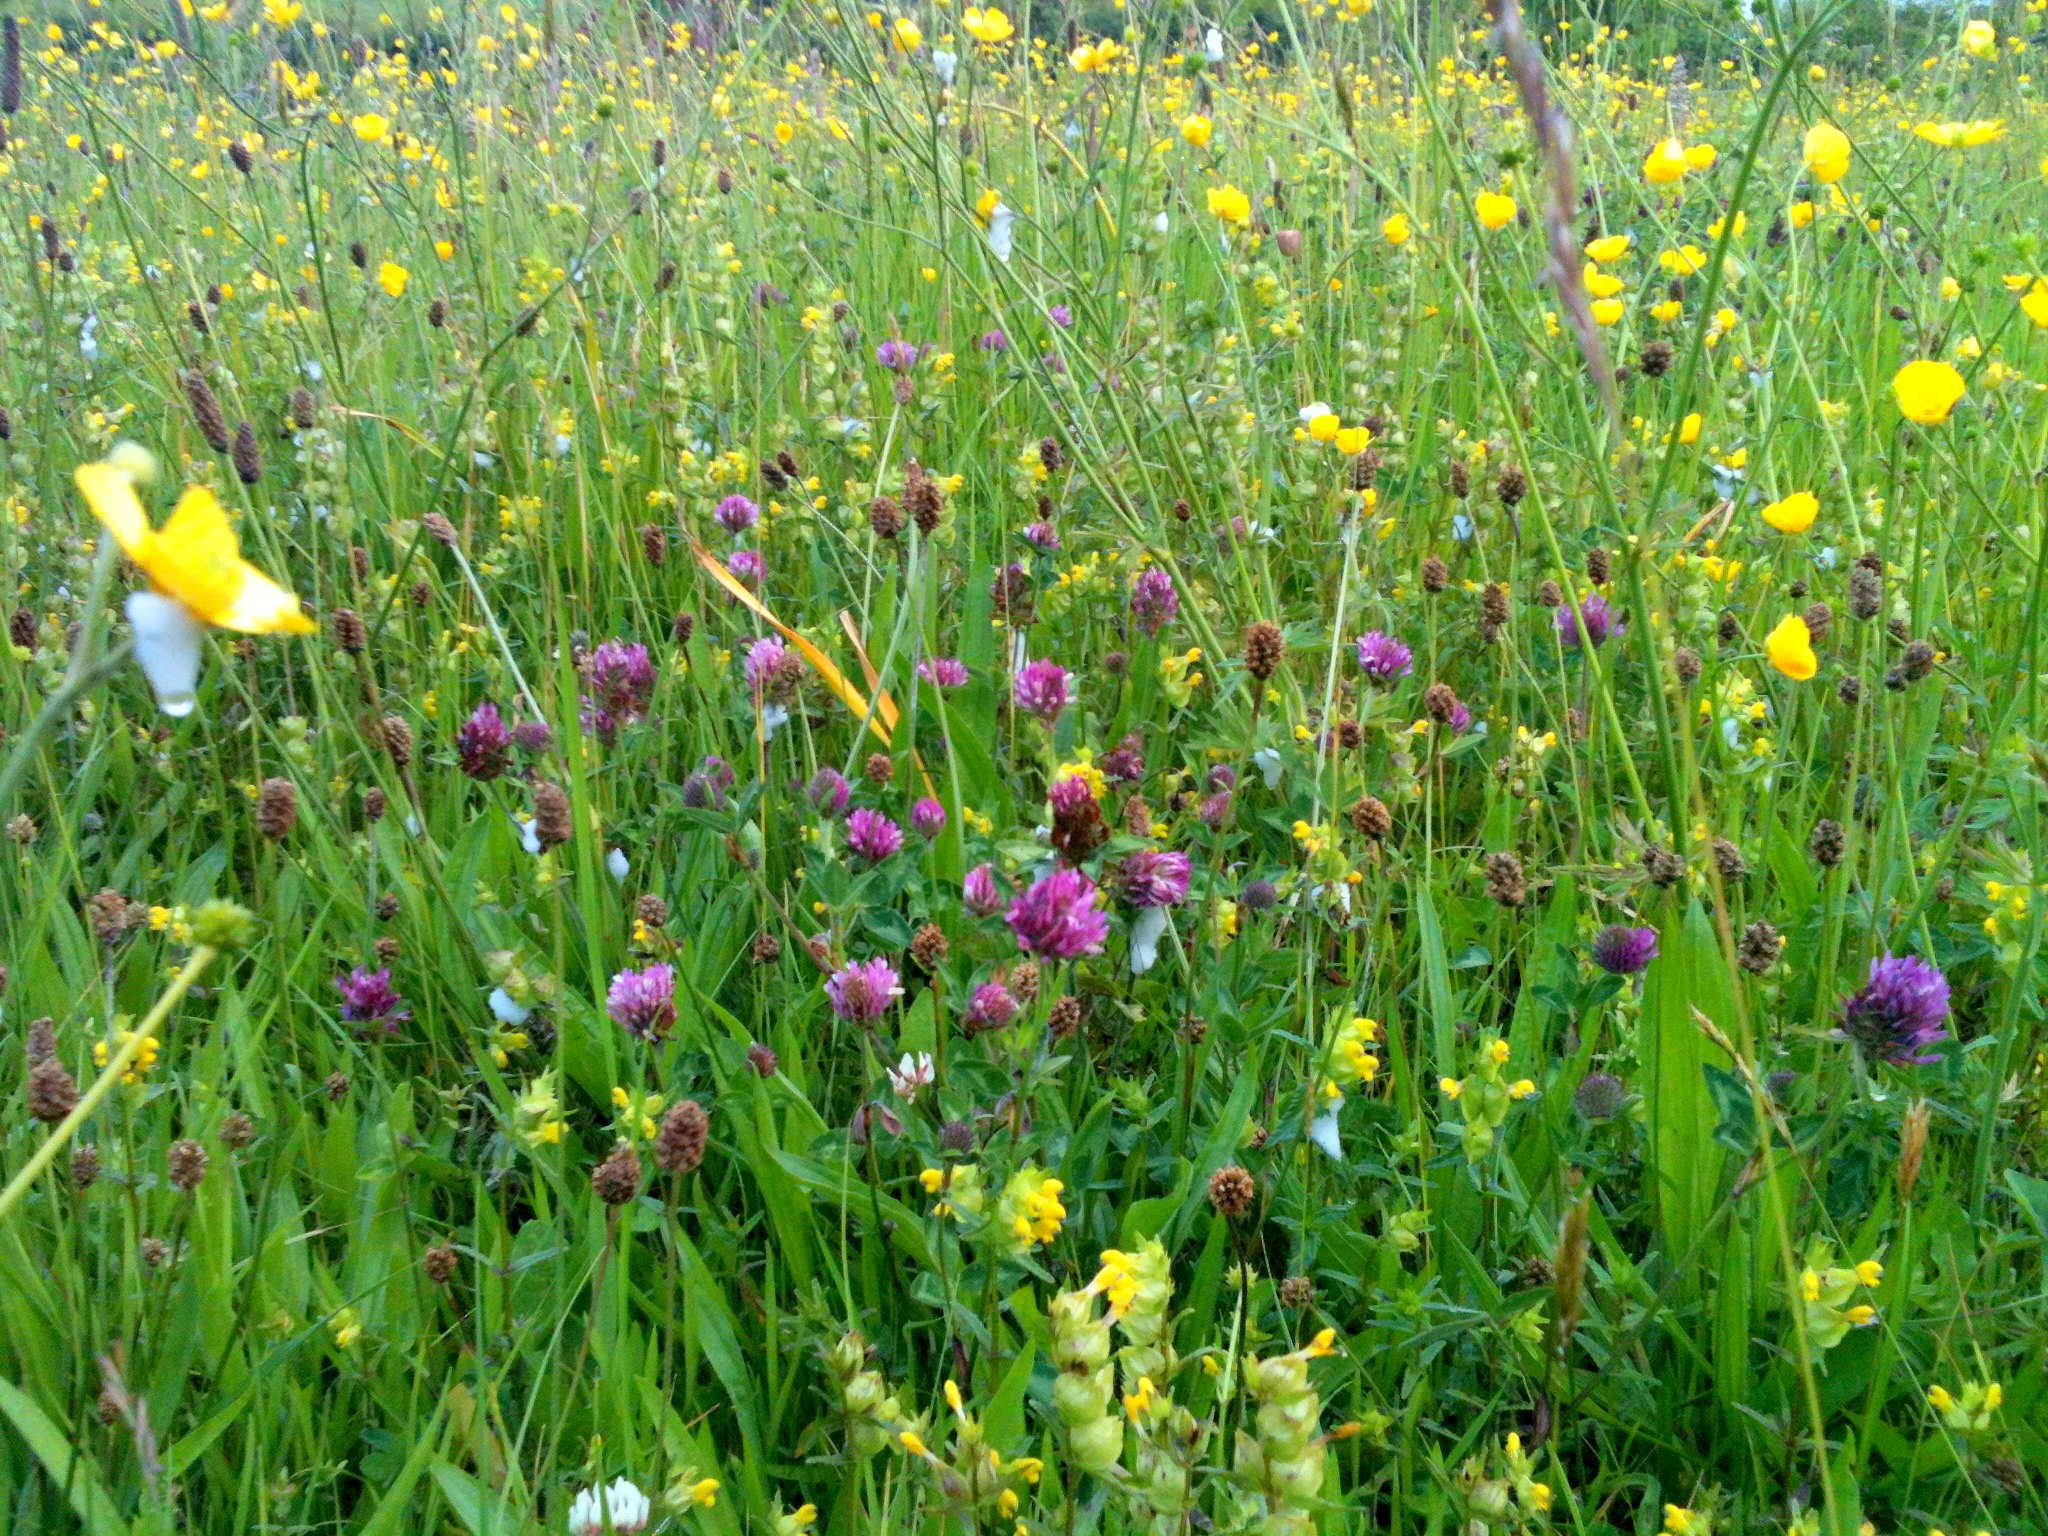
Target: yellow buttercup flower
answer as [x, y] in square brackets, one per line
[2035, 304]
[1496, 210]
[1665, 164]
[1602, 285]
[1790, 648]
[1397, 229]
[1701, 157]
[906, 34]
[1196, 129]
[988, 25]
[1968, 135]
[1802, 214]
[1827, 153]
[197, 576]
[371, 127]
[1230, 205]
[1607, 311]
[1352, 440]
[1793, 514]
[281, 13]
[1608, 248]
[1689, 429]
[392, 278]
[1980, 40]
[1927, 391]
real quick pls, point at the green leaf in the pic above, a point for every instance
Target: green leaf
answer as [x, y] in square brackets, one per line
[1689, 973]
[2032, 1194]
[1436, 982]
[482, 1512]
[1004, 1421]
[78, 1476]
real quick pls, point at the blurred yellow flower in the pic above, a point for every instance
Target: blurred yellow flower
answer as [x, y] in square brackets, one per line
[1802, 214]
[987, 25]
[1689, 429]
[1794, 513]
[1983, 130]
[1827, 153]
[282, 13]
[1397, 229]
[1602, 285]
[1665, 164]
[1790, 648]
[1495, 209]
[1927, 391]
[392, 278]
[1701, 157]
[2035, 305]
[1229, 204]
[371, 127]
[906, 34]
[1607, 311]
[1980, 40]
[1352, 440]
[1323, 426]
[1608, 248]
[1196, 129]
[1091, 58]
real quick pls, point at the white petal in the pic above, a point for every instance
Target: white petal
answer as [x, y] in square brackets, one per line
[168, 642]
[1161, 223]
[1324, 1134]
[773, 718]
[1001, 240]
[1268, 762]
[944, 64]
[615, 861]
[1212, 45]
[507, 1008]
[1145, 935]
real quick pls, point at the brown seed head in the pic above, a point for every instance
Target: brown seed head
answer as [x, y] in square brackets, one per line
[1505, 882]
[1435, 574]
[187, 1161]
[1064, 1017]
[767, 948]
[206, 412]
[679, 1147]
[1511, 486]
[1372, 818]
[1728, 860]
[1264, 648]
[236, 1131]
[1297, 1293]
[439, 1263]
[1827, 843]
[617, 1178]
[552, 820]
[879, 769]
[277, 809]
[350, 633]
[1231, 1191]
[885, 517]
[336, 1086]
[928, 947]
[1024, 982]
[654, 544]
[85, 1166]
[1818, 617]
[1599, 566]
[1439, 703]
[1664, 867]
[398, 740]
[51, 1093]
[41, 1042]
[1758, 949]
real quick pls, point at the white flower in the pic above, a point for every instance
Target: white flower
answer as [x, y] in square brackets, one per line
[88, 339]
[167, 644]
[1145, 935]
[617, 863]
[529, 836]
[1269, 764]
[1212, 45]
[773, 718]
[1000, 239]
[1312, 410]
[507, 1008]
[910, 1074]
[1323, 1132]
[626, 1504]
[1161, 223]
[944, 64]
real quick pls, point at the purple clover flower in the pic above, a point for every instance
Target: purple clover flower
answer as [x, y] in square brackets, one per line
[533, 737]
[763, 657]
[1068, 796]
[1058, 918]
[872, 835]
[897, 356]
[367, 997]
[736, 514]
[928, 818]
[1901, 1010]
[1149, 878]
[1216, 809]
[1042, 690]
[979, 891]
[863, 991]
[829, 791]
[943, 672]
[1382, 658]
[994, 341]
[643, 1003]
[1154, 602]
[993, 1007]
[1623, 951]
[1601, 622]
[1124, 763]
[483, 746]
[1062, 317]
[620, 676]
[748, 567]
[1043, 537]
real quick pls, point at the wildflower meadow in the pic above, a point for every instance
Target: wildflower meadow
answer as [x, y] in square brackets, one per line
[1166, 770]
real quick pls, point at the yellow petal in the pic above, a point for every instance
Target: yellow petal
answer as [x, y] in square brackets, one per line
[262, 607]
[196, 558]
[110, 492]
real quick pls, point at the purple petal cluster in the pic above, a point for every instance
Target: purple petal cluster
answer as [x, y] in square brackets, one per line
[1154, 602]
[829, 791]
[483, 746]
[1149, 878]
[736, 514]
[928, 818]
[1901, 1010]
[872, 836]
[1059, 917]
[1601, 622]
[896, 355]
[1042, 690]
[368, 996]
[979, 891]
[1382, 658]
[748, 567]
[1043, 537]
[862, 991]
[943, 672]
[1623, 951]
[643, 1003]
[992, 1007]
[763, 657]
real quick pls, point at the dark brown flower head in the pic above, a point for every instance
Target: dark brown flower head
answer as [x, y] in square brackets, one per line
[885, 517]
[1818, 617]
[1599, 566]
[1297, 1293]
[374, 804]
[439, 1263]
[1024, 982]
[1350, 734]
[684, 626]
[665, 278]
[40, 1044]
[724, 181]
[247, 458]
[1435, 574]
[879, 769]
[1758, 949]
[1064, 1017]
[1049, 455]
[336, 1086]
[1664, 867]
[1850, 690]
[763, 1060]
[1365, 470]
[387, 907]
[1728, 860]
[1264, 648]
[1827, 843]
[1460, 479]
[923, 498]
[187, 1161]
[398, 740]
[1550, 594]
[387, 949]
[651, 910]
[236, 1131]
[350, 633]
[767, 948]
[1231, 1191]
[1493, 603]
[113, 915]
[206, 412]
[654, 544]
[155, 1252]
[1685, 661]
[85, 1166]
[1866, 591]
[21, 628]
[1916, 660]
[928, 947]
[617, 1178]
[1505, 882]
[51, 1092]
[1372, 818]
[1511, 486]
[440, 530]
[1655, 361]
[239, 153]
[553, 821]
[196, 313]
[277, 809]
[359, 255]
[1439, 703]
[679, 1148]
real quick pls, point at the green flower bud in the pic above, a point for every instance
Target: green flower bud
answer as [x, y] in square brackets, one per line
[224, 925]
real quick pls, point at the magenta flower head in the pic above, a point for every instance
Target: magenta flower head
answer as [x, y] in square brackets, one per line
[897, 356]
[1042, 690]
[643, 1003]
[736, 514]
[993, 1007]
[979, 891]
[943, 672]
[1601, 622]
[482, 744]
[1152, 879]
[533, 737]
[1124, 763]
[748, 567]
[1623, 951]
[1068, 796]
[1062, 317]
[620, 678]
[863, 991]
[1461, 718]
[928, 818]
[829, 791]
[1058, 918]
[1901, 1010]
[994, 341]
[1216, 809]
[1382, 658]
[1043, 537]
[872, 835]
[763, 657]
[367, 997]
[1154, 602]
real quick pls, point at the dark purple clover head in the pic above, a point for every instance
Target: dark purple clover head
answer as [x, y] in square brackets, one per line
[994, 341]
[368, 996]
[1154, 602]
[533, 737]
[993, 1007]
[863, 991]
[1059, 918]
[1124, 763]
[830, 791]
[620, 677]
[643, 1003]
[736, 514]
[1382, 658]
[1043, 537]
[1900, 1011]
[1149, 878]
[872, 836]
[483, 746]
[1623, 951]
[896, 355]
[1602, 623]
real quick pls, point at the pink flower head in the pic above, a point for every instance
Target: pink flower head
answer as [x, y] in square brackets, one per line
[643, 1003]
[993, 1007]
[763, 657]
[1058, 918]
[1154, 601]
[620, 677]
[896, 355]
[367, 997]
[829, 791]
[482, 744]
[1152, 879]
[928, 818]
[980, 893]
[1043, 537]
[872, 835]
[1382, 658]
[1042, 690]
[864, 990]
[747, 566]
[943, 672]
[1068, 796]
[736, 514]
